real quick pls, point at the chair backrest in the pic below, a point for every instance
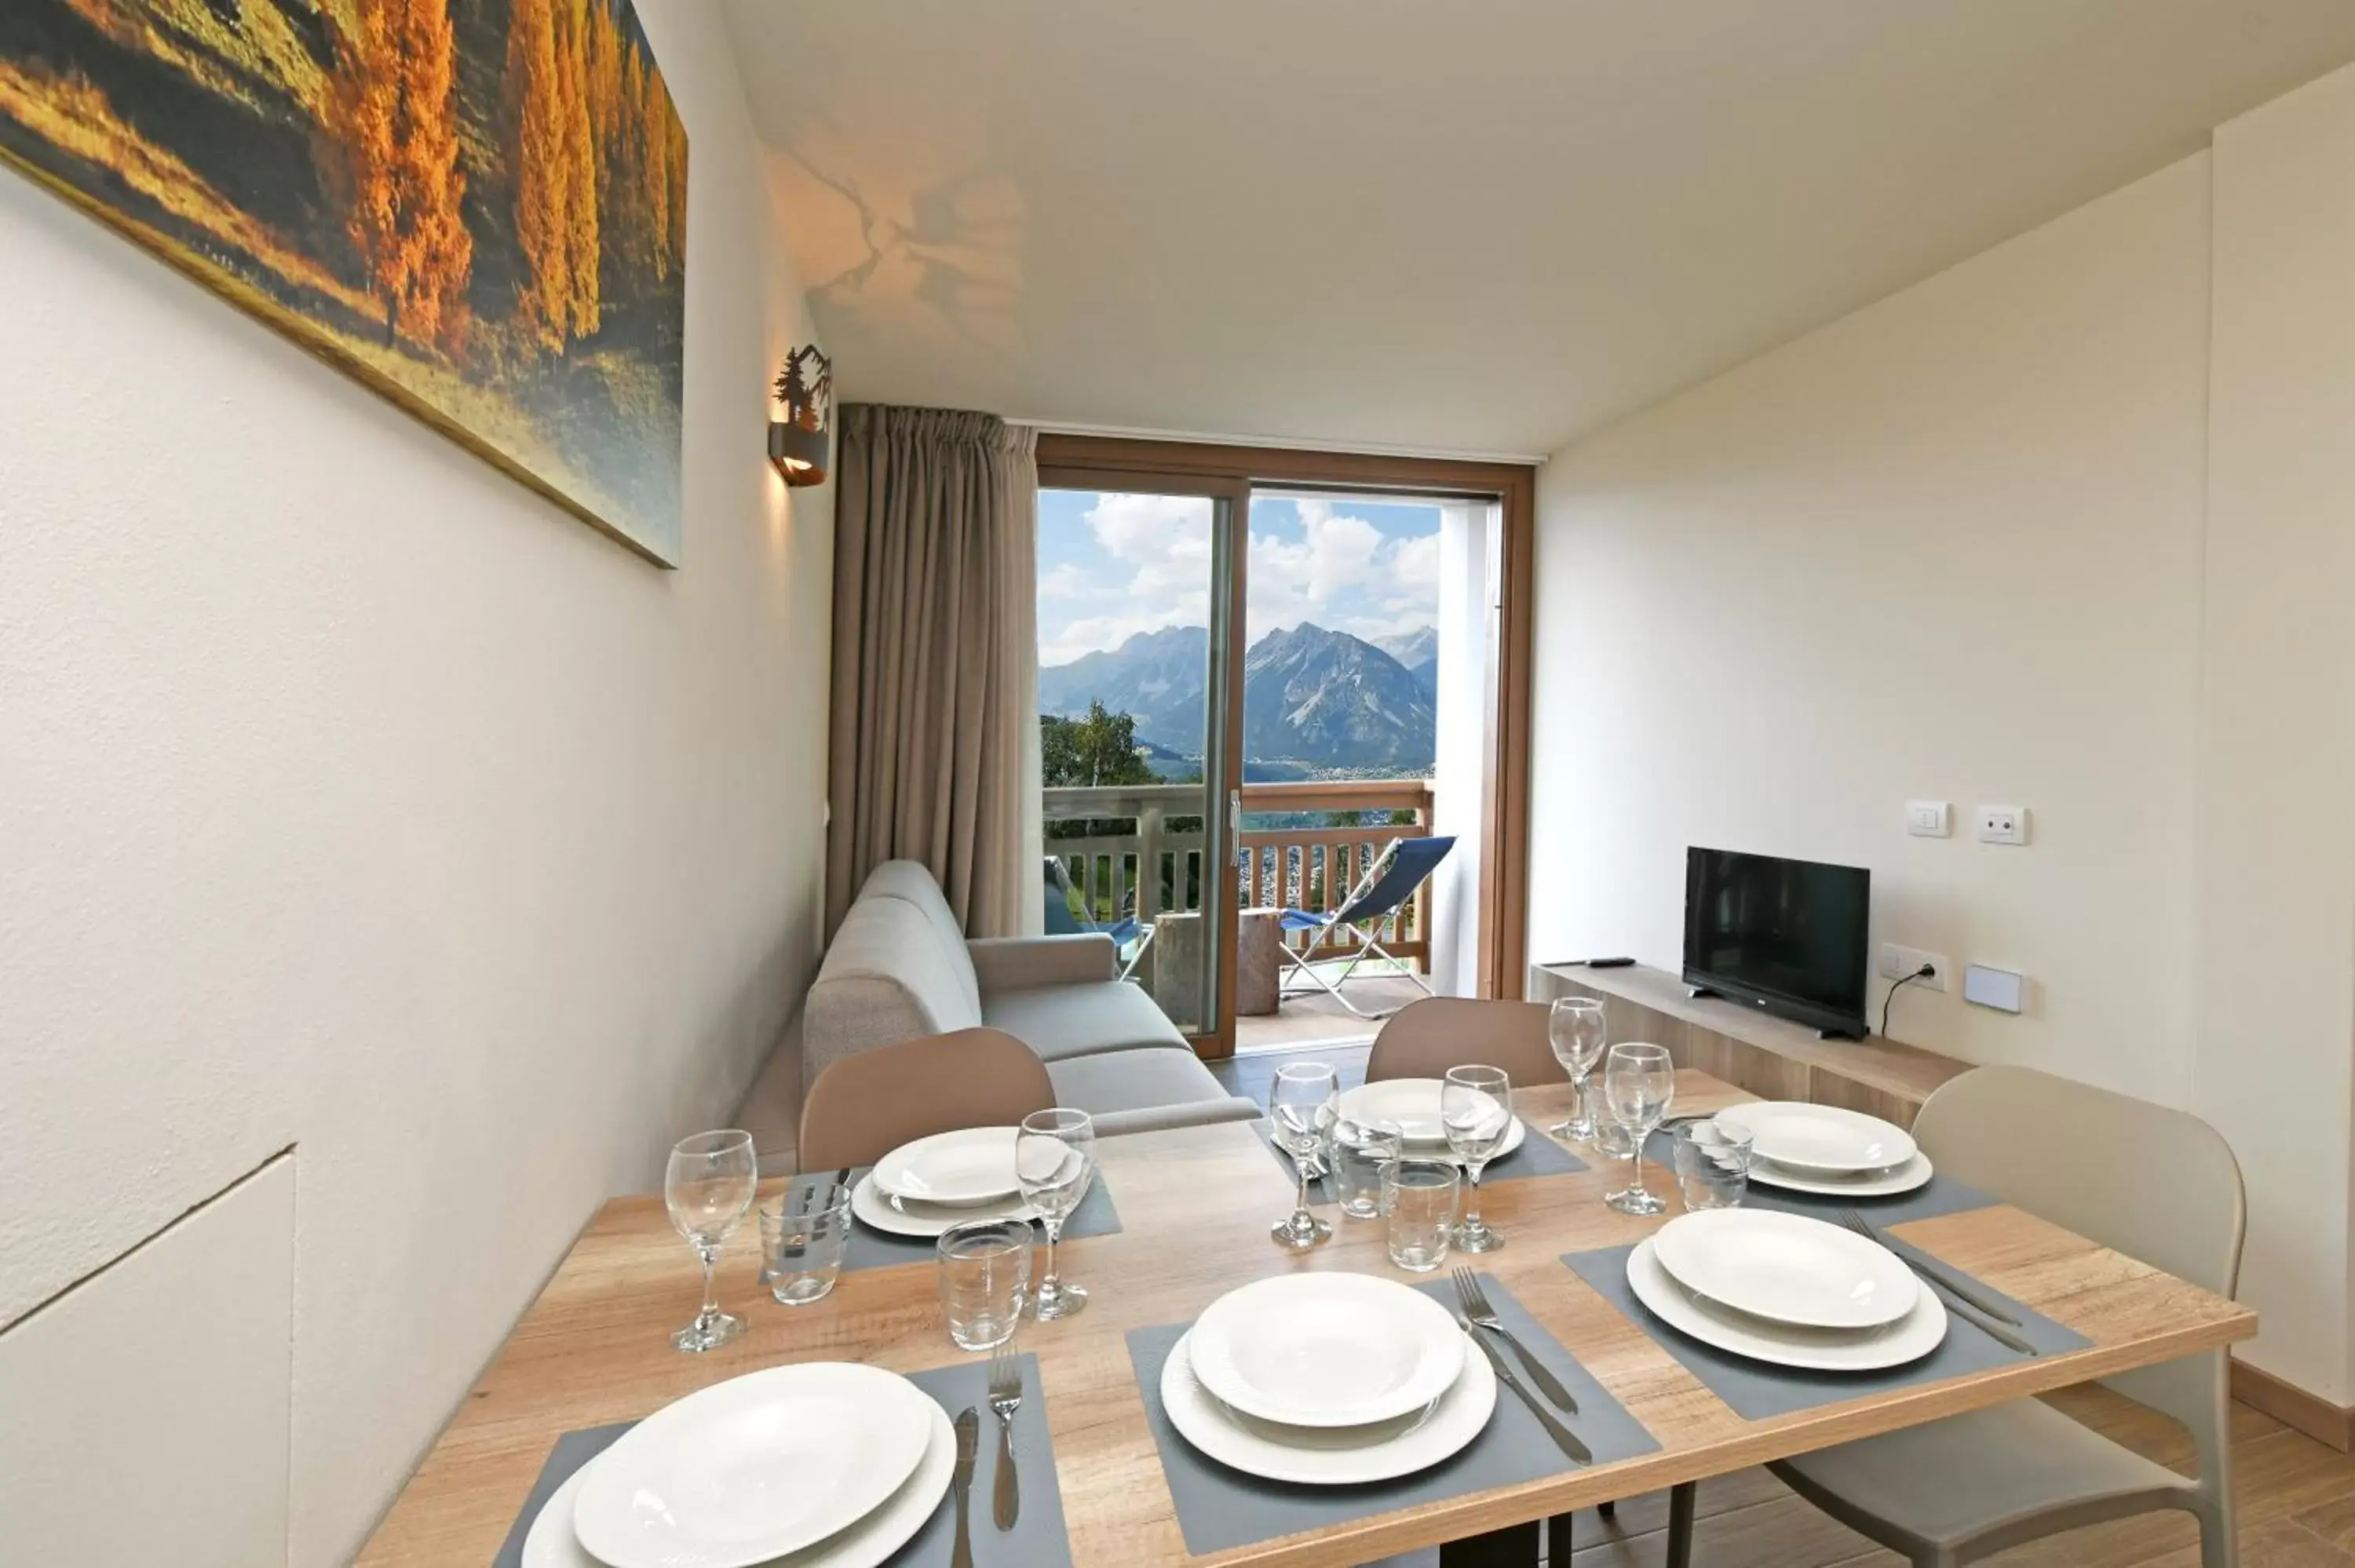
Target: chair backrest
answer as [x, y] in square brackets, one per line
[1425, 1038]
[1061, 919]
[2157, 1184]
[864, 1107]
[1400, 871]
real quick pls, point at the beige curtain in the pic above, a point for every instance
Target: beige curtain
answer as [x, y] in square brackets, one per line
[935, 656]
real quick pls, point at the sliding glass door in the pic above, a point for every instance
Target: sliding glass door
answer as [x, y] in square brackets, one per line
[1138, 584]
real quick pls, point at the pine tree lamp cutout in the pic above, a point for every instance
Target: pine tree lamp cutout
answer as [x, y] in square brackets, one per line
[797, 442]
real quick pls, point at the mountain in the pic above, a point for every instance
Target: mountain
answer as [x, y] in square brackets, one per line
[1310, 695]
[1419, 652]
[1155, 676]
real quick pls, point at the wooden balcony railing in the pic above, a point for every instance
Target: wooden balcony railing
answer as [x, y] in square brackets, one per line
[1144, 853]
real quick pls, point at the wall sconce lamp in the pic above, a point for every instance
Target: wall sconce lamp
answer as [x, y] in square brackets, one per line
[797, 443]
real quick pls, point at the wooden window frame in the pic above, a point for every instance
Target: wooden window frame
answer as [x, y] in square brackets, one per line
[1110, 460]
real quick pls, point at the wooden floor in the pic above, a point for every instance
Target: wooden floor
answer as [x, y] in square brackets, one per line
[2296, 1495]
[1317, 1020]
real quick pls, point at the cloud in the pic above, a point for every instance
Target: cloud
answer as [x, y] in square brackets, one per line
[1070, 580]
[1344, 573]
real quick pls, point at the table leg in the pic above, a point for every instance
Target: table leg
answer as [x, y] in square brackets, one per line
[1557, 1540]
[1680, 1523]
[1514, 1548]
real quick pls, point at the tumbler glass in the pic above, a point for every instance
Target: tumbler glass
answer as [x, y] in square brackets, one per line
[802, 1235]
[985, 1277]
[1712, 1165]
[1362, 1152]
[1420, 1198]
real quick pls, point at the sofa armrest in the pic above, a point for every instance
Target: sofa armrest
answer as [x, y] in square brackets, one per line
[1017, 963]
[1191, 1113]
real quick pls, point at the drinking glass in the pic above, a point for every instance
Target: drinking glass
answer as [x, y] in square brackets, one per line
[984, 1278]
[802, 1235]
[1638, 1084]
[1575, 1030]
[1300, 1106]
[1475, 1107]
[1362, 1151]
[708, 1186]
[1054, 1160]
[1712, 1165]
[1419, 1200]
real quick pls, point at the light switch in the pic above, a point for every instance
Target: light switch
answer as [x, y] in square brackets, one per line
[2000, 989]
[1927, 819]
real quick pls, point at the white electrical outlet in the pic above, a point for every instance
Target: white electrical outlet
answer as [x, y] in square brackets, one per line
[1926, 819]
[2003, 824]
[1897, 962]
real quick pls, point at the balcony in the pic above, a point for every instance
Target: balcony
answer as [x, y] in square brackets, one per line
[1137, 850]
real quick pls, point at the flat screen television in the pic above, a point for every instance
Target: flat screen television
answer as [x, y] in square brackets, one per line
[1789, 936]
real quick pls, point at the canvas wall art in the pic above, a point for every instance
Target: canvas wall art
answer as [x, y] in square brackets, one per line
[478, 208]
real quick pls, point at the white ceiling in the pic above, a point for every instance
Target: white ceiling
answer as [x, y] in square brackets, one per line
[1490, 225]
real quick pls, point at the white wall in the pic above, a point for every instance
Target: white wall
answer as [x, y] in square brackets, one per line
[2066, 526]
[2276, 1064]
[1948, 547]
[352, 798]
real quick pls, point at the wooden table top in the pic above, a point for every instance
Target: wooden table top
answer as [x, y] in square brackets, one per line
[1195, 1206]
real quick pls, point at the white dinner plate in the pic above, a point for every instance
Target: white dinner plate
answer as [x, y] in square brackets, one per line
[1326, 1350]
[1413, 1105]
[1909, 1339]
[1821, 1140]
[1786, 1268]
[552, 1542]
[875, 1207]
[1327, 1456]
[971, 1165]
[753, 1467]
[1914, 1173]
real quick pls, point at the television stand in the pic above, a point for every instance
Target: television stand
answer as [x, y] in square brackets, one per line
[1749, 1048]
[1696, 992]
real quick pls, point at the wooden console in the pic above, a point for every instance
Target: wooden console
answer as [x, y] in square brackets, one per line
[1771, 1057]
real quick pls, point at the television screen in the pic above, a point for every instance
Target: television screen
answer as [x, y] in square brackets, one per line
[1788, 935]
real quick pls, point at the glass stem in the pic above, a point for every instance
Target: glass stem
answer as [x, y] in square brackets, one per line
[1472, 1219]
[710, 1294]
[1300, 1219]
[1639, 1165]
[1047, 1284]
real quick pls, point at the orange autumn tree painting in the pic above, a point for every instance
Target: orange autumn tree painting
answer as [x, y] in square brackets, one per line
[478, 208]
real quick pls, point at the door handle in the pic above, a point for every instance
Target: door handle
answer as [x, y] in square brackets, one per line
[1235, 825]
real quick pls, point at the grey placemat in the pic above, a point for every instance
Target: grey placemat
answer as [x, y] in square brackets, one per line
[1755, 1390]
[871, 1248]
[1218, 1508]
[1039, 1539]
[1940, 1195]
[1538, 1156]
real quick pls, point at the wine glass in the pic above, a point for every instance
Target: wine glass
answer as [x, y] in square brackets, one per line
[1475, 1107]
[1300, 1106]
[708, 1187]
[1575, 1030]
[1640, 1083]
[1054, 1160]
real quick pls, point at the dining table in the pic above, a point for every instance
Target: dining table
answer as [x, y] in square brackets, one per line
[1194, 1206]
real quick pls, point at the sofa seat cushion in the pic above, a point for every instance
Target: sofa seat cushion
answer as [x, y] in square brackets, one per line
[1061, 1021]
[912, 883]
[1133, 1080]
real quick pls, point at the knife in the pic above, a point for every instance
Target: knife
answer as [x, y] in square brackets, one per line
[1564, 1438]
[1938, 1274]
[968, 1440]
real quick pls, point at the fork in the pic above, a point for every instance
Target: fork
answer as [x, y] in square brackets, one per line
[1960, 1304]
[1476, 1310]
[1005, 1399]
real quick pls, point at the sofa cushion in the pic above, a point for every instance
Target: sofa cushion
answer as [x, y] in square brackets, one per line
[884, 980]
[1059, 1022]
[1133, 1080]
[910, 882]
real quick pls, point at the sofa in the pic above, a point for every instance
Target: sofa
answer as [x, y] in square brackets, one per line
[899, 967]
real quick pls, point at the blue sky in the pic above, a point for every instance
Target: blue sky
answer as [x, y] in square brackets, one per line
[1112, 566]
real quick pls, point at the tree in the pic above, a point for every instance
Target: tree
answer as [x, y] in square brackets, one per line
[674, 180]
[583, 311]
[536, 148]
[1092, 752]
[392, 122]
[653, 147]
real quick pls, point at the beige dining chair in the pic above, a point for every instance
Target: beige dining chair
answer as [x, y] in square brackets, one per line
[864, 1107]
[1426, 1037]
[2152, 1183]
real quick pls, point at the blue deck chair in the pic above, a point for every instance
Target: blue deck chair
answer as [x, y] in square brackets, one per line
[1397, 872]
[1064, 918]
